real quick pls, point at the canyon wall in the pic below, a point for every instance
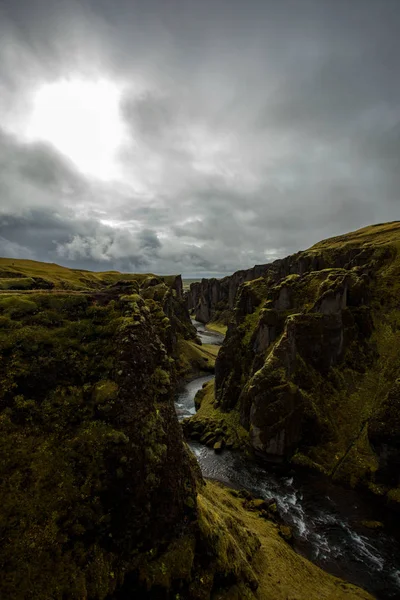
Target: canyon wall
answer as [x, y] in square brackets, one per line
[311, 360]
[209, 299]
[100, 497]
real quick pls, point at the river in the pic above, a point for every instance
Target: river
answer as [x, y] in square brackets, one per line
[325, 518]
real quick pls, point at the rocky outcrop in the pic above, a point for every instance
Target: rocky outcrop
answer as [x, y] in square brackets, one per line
[311, 359]
[213, 299]
[94, 471]
[384, 436]
[99, 495]
[209, 297]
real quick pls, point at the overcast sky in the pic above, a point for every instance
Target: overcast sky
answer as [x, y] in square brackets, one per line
[194, 136]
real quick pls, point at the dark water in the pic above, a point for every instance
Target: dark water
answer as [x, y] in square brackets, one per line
[326, 519]
[207, 336]
[184, 403]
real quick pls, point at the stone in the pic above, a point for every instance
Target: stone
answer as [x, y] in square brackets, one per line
[372, 524]
[286, 533]
[258, 504]
[218, 447]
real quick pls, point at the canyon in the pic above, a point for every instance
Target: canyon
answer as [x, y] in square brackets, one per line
[101, 497]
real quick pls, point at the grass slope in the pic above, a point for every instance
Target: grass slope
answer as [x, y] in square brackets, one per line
[218, 327]
[21, 273]
[281, 573]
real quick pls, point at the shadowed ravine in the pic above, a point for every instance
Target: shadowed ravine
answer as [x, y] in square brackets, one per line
[326, 519]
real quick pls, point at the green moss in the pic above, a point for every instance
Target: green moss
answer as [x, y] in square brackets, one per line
[175, 563]
[218, 327]
[161, 377]
[134, 301]
[250, 324]
[155, 292]
[105, 392]
[302, 460]
[16, 306]
[215, 424]
[252, 555]
[193, 358]
[394, 495]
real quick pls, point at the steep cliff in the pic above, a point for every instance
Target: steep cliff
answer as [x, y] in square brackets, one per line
[311, 361]
[215, 298]
[98, 492]
[88, 439]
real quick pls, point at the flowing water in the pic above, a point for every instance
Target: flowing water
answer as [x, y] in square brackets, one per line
[207, 336]
[326, 519]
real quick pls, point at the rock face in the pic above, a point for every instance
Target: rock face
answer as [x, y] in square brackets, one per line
[212, 299]
[94, 472]
[311, 359]
[384, 436]
[99, 496]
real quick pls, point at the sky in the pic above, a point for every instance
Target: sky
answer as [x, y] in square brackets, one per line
[179, 136]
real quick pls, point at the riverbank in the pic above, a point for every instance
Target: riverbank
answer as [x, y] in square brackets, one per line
[280, 572]
[217, 327]
[328, 521]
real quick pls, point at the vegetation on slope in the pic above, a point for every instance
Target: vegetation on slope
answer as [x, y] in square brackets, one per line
[18, 274]
[194, 358]
[217, 326]
[252, 543]
[88, 438]
[212, 427]
[312, 359]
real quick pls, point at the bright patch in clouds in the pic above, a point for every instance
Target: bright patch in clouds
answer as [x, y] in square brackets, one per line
[81, 119]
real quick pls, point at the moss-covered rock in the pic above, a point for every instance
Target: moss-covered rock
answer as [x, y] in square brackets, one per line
[89, 437]
[210, 426]
[311, 357]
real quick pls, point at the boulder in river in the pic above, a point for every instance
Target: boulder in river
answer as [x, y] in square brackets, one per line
[218, 447]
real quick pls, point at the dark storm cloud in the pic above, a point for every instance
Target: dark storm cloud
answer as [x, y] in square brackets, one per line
[254, 129]
[148, 239]
[37, 164]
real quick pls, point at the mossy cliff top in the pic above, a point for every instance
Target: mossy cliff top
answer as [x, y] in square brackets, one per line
[214, 299]
[312, 359]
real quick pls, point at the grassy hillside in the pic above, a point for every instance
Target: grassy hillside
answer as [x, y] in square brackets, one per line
[380, 234]
[18, 274]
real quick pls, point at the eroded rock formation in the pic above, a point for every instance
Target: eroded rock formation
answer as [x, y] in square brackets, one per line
[311, 359]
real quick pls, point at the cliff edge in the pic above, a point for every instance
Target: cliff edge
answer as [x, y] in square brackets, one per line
[311, 360]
